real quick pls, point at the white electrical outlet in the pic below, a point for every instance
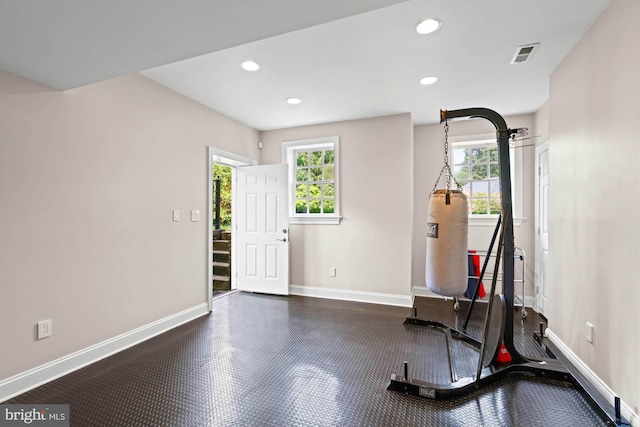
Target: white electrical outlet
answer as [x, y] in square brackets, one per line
[176, 215]
[332, 272]
[195, 215]
[44, 329]
[589, 332]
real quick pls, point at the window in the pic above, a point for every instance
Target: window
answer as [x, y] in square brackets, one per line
[313, 180]
[476, 169]
[315, 185]
[475, 165]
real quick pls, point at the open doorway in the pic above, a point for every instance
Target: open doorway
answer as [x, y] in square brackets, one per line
[221, 253]
[221, 235]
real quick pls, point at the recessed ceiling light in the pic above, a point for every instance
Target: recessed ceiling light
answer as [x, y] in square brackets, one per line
[428, 26]
[428, 80]
[294, 101]
[250, 65]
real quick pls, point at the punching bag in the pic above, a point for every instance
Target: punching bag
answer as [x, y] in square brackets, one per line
[447, 230]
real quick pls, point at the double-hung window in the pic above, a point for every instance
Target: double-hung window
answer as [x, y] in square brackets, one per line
[476, 168]
[313, 180]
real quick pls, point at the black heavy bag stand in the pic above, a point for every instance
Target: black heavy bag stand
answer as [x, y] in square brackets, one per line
[498, 326]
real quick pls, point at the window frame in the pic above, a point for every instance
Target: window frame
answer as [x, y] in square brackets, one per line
[289, 156]
[515, 161]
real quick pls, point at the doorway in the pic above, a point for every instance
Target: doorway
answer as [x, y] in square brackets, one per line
[221, 253]
[221, 235]
[542, 226]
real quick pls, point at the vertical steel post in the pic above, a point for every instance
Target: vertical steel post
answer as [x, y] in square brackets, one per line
[508, 262]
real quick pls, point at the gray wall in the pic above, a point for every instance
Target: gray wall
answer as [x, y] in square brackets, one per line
[594, 199]
[88, 180]
[371, 247]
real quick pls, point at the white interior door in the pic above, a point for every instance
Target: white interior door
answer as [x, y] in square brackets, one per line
[542, 217]
[262, 233]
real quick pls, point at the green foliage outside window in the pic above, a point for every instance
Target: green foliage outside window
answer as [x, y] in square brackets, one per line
[315, 187]
[224, 172]
[476, 170]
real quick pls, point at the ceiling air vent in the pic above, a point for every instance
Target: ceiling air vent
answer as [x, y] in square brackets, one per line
[524, 53]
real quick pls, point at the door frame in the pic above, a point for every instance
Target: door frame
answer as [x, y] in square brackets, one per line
[215, 155]
[539, 294]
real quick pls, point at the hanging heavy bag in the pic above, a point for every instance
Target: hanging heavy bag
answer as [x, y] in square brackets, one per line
[447, 267]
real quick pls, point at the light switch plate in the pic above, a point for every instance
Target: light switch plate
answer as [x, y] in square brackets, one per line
[589, 332]
[195, 215]
[176, 215]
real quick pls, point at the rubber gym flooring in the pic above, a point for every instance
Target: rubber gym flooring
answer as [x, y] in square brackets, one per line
[260, 360]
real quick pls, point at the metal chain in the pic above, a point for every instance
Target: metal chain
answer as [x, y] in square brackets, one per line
[438, 180]
[447, 177]
[446, 143]
[446, 169]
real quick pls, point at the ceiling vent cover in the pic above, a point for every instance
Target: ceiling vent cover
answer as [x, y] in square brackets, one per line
[523, 53]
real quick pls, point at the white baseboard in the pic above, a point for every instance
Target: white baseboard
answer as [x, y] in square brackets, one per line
[600, 386]
[25, 381]
[346, 295]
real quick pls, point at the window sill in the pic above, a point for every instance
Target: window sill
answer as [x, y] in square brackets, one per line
[491, 220]
[320, 220]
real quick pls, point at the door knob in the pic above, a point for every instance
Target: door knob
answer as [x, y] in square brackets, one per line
[282, 240]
